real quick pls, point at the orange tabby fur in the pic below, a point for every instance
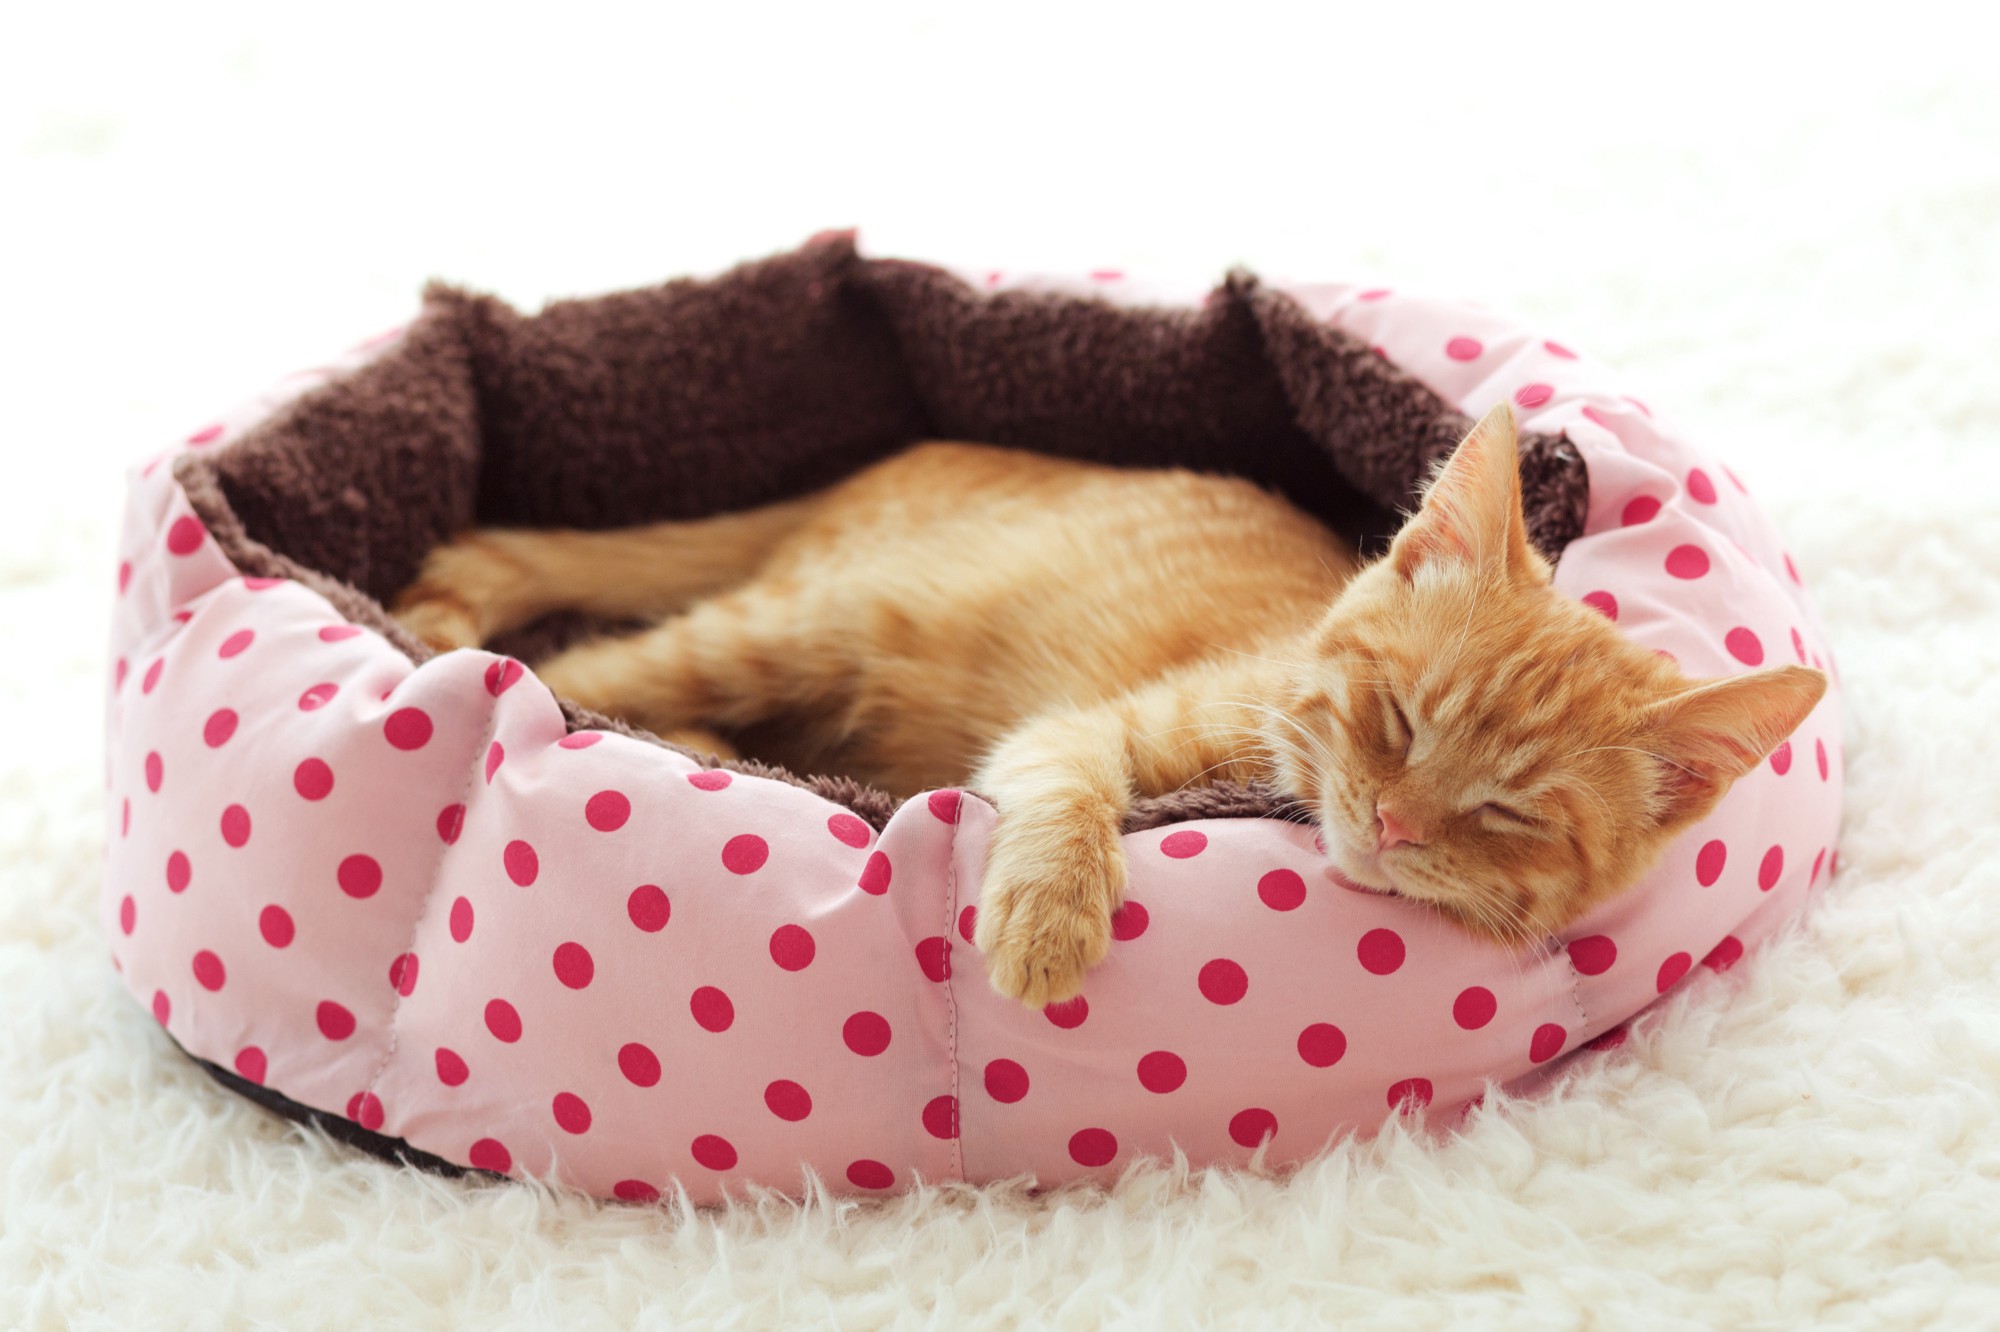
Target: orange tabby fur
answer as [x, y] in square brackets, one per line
[1063, 637]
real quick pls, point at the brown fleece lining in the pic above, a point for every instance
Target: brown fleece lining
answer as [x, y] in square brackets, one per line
[781, 376]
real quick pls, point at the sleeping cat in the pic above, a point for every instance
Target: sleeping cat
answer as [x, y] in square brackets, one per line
[1062, 637]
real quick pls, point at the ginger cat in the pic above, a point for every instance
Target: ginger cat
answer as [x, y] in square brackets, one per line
[1061, 637]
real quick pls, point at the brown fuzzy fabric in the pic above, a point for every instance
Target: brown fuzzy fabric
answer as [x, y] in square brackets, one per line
[781, 376]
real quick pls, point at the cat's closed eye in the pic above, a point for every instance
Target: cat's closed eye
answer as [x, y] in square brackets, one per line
[1505, 815]
[1400, 734]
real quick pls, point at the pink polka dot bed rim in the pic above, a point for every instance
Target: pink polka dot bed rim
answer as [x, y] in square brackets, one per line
[422, 902]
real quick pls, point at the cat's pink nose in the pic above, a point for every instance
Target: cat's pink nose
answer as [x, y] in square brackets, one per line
[1394, 832]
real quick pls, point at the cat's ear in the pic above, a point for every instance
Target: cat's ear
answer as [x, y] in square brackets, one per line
[1712, 732]
[1471, 514]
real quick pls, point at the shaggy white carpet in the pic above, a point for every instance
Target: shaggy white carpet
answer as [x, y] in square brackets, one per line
[1787, 233]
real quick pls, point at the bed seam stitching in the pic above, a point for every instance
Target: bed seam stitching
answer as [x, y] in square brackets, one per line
[950, 1000]
[430, 894]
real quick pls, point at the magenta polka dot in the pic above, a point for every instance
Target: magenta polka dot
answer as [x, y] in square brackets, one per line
[1184, 844]
[251, 1064]
[261, 584]
[490, 1154]
[501, 675]
[155, 771]
[1781, 758]
[461, 920]
[934, 958]
[312, 779]
[365, 1109]
[503, 1021]
[163, 1007]
[403, 974]
[713, 1152]
[318, 696]
[128, 914]
[1249, 1128]
[1282, 890]
[118, 674]
[635, 1191]
[712, 779]
[1798, 647]
[275, 924]
[124, 576]
[1534, 395]
[849, 830]
[968, 921]
[1819, 756]
[607, 811]
[221, 724]
[788, 1100]
[1381, 951]
[865, 1174]
[941, 1117]
[186, 535]
[573, 965]
[208, 970]
[522, 864]
[571, 1112]
[125, 814]
[745, 853]
[866, 1033]
[1593, 955]
[1687, 561]
[580, 739]
[1642, 509]
[152, 675]
[1411, 1094]
[944, 806]
[1792, 570]
[179, 872]
[339, 633]
[1474, 1007]
[236, 825]
[1162, 1071]
[496, 754]
[408, 728]
[1724, 955]
[451, 1068]
[334, 1021]
[1557, 350]
[875, 874]
[1708, 862]
[1462, 348]
[1603, 603]
[1223, 981]
[792, 947]
[1672, 970]
[711, 1009]
[1069, 1014]
[639, 1064]
[1547, 1043]
[359, 876]
[208, 434]
[1771, 868]
[1128, 922]
[1374, 294]
[236, 644]
[1819, 858]
[1745, 646]
[649, 908]
[1609, 1040]
[1006, 1081]
[1093, 1147]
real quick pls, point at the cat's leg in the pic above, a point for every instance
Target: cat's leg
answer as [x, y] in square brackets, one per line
[729, 662]
[493, 579]
[1055, 870]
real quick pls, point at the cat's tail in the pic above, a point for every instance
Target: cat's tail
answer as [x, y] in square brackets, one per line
[489, 581]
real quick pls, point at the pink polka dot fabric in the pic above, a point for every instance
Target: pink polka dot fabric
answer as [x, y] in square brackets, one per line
[406, 896]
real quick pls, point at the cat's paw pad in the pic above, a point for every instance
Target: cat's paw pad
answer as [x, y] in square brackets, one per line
[1045, 913]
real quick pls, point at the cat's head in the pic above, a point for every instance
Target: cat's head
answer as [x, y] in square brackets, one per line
[1470, 738]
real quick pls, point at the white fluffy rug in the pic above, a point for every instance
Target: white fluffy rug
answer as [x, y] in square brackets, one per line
[1787, 234]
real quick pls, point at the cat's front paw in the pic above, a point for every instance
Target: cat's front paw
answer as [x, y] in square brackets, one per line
[1045, 908]
[458, 595]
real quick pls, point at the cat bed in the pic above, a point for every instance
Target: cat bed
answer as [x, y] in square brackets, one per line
[425, 903]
